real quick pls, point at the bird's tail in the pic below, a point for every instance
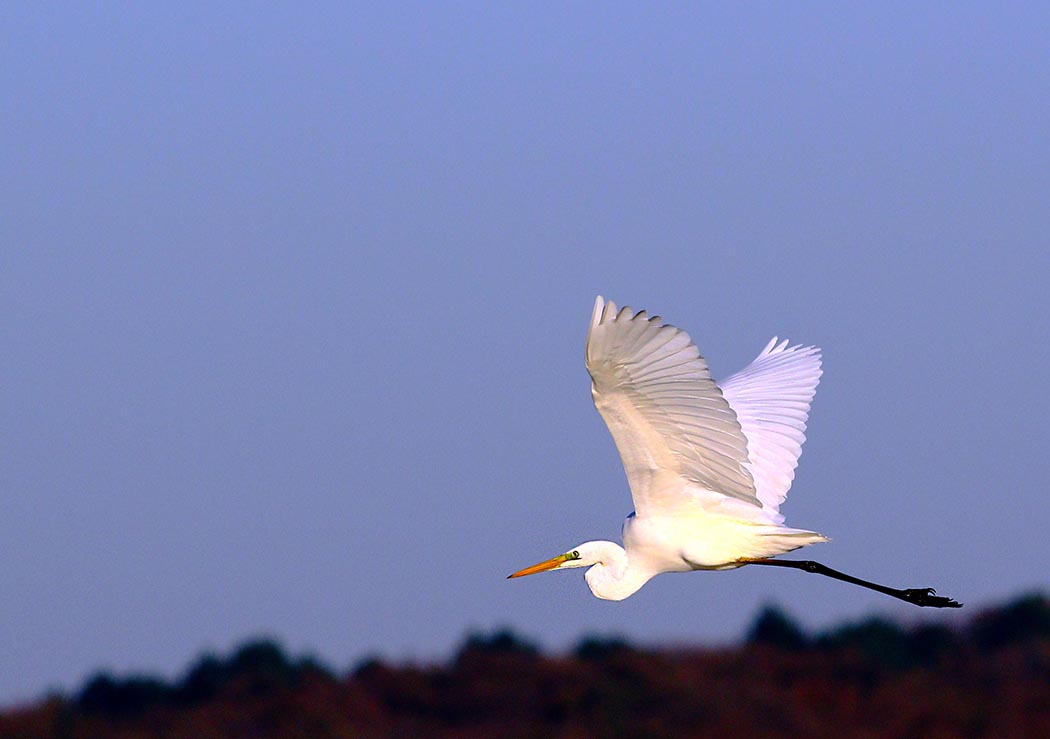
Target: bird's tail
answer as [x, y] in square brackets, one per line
[782, 539]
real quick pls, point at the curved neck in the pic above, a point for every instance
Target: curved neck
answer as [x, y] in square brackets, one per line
[614, 576]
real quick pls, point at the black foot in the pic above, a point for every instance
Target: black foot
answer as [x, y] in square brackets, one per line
[928, 597]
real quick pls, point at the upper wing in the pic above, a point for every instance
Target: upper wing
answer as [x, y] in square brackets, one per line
[771, 398]
[673, 428]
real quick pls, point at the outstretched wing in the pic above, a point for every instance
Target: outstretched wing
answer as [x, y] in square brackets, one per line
[771, 398]
[674, 430]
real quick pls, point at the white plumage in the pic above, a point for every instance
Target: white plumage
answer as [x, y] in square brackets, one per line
[771, 398]
[708, 465]
[670, 420]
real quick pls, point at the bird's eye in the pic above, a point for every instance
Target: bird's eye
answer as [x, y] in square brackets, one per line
[575, 554]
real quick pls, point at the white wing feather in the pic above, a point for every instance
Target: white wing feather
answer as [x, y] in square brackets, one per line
[673, 428]
[771, 398]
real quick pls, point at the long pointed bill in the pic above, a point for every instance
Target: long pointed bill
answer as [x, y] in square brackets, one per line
[549, 564]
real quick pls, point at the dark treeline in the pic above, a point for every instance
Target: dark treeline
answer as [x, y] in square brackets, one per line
[987, 677]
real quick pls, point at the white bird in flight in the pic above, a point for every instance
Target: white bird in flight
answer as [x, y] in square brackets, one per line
[708, 464]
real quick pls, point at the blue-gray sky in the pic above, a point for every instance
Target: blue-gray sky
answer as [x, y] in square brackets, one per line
[293, 302]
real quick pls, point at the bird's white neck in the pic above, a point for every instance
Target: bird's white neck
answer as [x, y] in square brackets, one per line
[613, 577]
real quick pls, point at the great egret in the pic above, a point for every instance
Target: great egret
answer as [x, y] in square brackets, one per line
[708, 465]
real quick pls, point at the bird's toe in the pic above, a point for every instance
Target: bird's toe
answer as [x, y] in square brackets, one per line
[927, 597]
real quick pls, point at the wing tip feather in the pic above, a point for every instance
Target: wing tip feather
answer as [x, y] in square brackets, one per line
[599, 307]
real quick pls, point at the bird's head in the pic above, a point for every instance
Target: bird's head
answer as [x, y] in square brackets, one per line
[582, 556]
[609, 576]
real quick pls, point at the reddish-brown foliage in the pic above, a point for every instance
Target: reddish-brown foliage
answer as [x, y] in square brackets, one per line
[874, 679]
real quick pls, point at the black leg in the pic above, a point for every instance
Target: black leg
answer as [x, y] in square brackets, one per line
[916, 596]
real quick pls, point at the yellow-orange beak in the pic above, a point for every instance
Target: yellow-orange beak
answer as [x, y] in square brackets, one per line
[548, 564]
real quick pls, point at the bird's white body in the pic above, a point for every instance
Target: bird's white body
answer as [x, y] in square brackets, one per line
[695, 540]
[708, 464]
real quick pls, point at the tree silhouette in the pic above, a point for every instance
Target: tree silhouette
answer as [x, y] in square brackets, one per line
[597, 648]
[773, 628]
[1025, 619]
[121, 697]
[872, 678]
